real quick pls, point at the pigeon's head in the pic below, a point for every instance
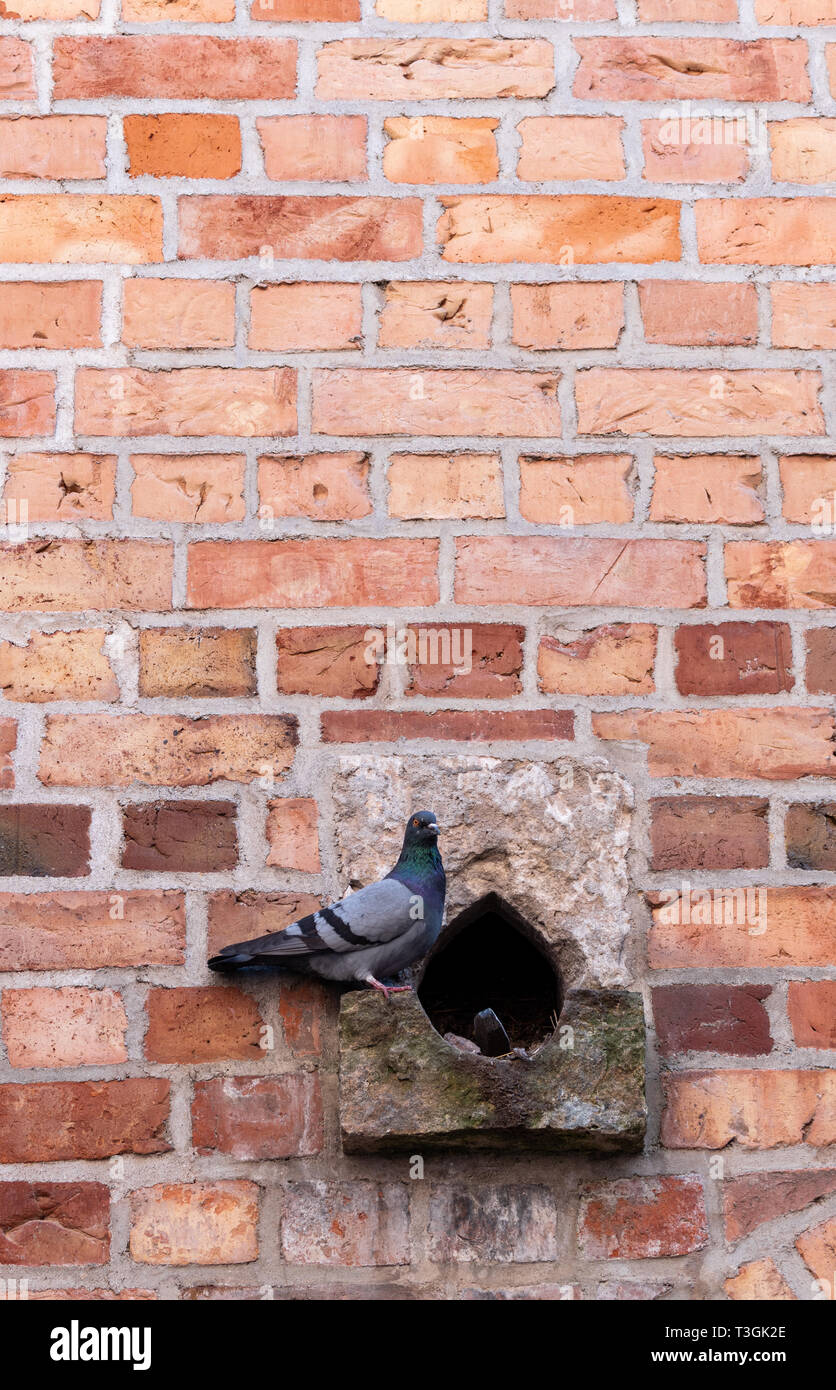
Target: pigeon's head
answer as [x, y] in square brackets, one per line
[421, 829]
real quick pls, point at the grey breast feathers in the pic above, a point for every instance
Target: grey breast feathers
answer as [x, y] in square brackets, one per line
[369, 917]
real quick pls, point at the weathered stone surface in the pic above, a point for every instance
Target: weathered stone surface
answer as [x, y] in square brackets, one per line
[549, 838]
[401, 1084]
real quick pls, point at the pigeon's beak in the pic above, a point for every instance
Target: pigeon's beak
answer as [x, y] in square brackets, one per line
[434, 826]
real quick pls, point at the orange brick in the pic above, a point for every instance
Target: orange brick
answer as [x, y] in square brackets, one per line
[581, 11]
[685, 11]
[577, 491]
[46, 1122]
[327, 148]
[324, 487]
[17, 72]
[809, 482]
[281, 11]
[586, 315]
[436, 313]
[811, 1005]
[440, 486]
[803, 316]
[695, 149]
[64, 1027]
[435, 402]
[432, 11]
[188, 401]
[758, 1281]
[183, 146]
[180, 11]
[27, 403]
[757, 1109]
[63, 576]
[55, 9]
[58, 666]
[440, 149]
[766, 231]
[708, 488]
[82, 227]
[312, 573]
[209, 1024]
[292, 835]
[178, 313]
[576, 229]
[188, 487]
[779, 743]
[63, 487]
[795, 12]
[699, 68]
[781, 574]
[616, 659]
[690, 314]
[300, 316]
[183, 67]
[198, 1223]
[64, 315]
[197, 662]
[90, 931]
[800, 922]
[571, 147]
[326, 661]
[420, 69]
[53, 147]
[75, 853]
[565, 571]
[314, 228]
[101, 750]
[693, 403]
[804, 150]
[817, 1248]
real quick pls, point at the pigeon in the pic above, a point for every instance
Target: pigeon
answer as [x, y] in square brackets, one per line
[379, 930]
[490, 1034]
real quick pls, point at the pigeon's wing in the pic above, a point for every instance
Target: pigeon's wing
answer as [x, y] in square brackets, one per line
[369, 917]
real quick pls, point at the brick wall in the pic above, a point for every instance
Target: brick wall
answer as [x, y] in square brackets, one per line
[320, 315]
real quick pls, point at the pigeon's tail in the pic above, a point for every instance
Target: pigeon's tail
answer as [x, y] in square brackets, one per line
[234, 961]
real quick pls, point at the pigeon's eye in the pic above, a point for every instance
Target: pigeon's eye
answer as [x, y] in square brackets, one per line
[415, 823]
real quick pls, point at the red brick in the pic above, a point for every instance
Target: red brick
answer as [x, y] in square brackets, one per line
[440, 313]
[697, 69]
[779, 743]
[324, 487]
[54, 1223]
[210, 1024]
[420, 69]
[188, 487]
[747, 929]
[571, 147]
[312, 573]
[387, 726]
[712, 1018]
[8, 743]
[73, 1027]
[758, 1281]
[258, 1117]
[164, 750]
[804, 316]
[17, 72]
[803, 150]
[183, 67]
[781, 574]
[27, 401]
[47, 1122]
[43, 841]
[685, 11]
[303, 1009]
[440, 149]
[438, 658]
[821, 660]
[63, 315]
[205, 1223]
[582, 315]
[202, 663]
[578, 491]
[642, 1218]
[753, 1198]
[554, 570]
[441, 486]
[498, 1224]
[757, 1109]
[281, 11]
[697, 403]
[91, 931]
[178, 313]
[327, 148]
[326, 661]
[811, 1005]
[709, 832]
[243, 916]
[188, 401]
[58, 666]
[809, 484]
[793, 12]
[685, 312]
[810, 832]
[733, 659]
[818, 1250]
[695, 149]
[327, 228]
[356, 1224]
[179, 837]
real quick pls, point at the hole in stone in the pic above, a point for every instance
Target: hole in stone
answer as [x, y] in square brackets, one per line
[489, 957]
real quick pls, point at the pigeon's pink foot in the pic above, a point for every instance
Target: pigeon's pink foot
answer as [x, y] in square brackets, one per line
[386, 990]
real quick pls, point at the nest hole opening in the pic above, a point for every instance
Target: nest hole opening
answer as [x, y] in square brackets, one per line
[489, 957]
